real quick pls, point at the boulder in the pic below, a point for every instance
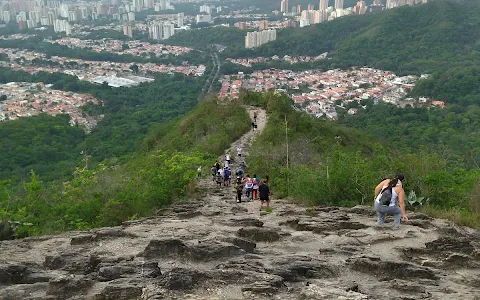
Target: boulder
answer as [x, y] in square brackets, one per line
[259, 234]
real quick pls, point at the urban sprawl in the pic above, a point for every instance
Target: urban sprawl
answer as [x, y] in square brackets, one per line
[320, 93]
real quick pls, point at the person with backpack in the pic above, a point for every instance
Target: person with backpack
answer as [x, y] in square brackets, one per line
[239, 172]
[238, 190]
[214, 172]
[219, 179]
[264, 192]
[226, 181]
[390, 199]
[256, 181]
[248, 187]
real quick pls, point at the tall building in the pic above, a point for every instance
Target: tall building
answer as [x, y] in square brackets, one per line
[284, 6]
[242, 25]
[323, 5]
[180, 19]
[361, 7]
[299, 9]
[263, 25]
[62, 26]
[338, 4]
[127, 30]
[168, 30]
[155, 31]
[258, 38]
[311, 7]
[131, 16]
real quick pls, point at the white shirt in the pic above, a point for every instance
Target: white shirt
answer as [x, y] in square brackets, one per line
[227, 157]
[239, 150]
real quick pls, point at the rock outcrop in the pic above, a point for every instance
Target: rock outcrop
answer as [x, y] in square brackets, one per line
[213, 248]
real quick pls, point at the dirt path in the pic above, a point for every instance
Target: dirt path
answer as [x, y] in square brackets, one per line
[213, 248]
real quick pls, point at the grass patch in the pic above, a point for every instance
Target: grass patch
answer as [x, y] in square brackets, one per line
[458, 216]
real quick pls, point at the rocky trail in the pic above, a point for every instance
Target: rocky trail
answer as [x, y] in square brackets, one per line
[213, 248]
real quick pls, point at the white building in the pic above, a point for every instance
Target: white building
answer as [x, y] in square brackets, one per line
[131, 16]
[257, 38]
[204, 18]
[180, 19]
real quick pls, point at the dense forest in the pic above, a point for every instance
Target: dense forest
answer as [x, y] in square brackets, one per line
[202, 38]
[108, 195]
[129, 115]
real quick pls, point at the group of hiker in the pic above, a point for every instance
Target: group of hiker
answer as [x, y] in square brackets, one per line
[222, 175]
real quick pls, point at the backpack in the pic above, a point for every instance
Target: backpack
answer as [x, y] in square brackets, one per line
[386, 196]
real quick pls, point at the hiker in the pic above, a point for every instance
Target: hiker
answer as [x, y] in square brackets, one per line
[255, 116]
[217, 165]
[264, 192]
[214, 172]
[239, 172]
[227, 158]
[239, 151]
[238, 190]
[396, 205]
[253, 126]
[219, 179]
[227, 164]
[248, 187]
[199, 173]
[256, 181]
[226, 180]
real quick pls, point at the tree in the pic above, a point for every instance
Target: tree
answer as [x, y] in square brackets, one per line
[134, 68]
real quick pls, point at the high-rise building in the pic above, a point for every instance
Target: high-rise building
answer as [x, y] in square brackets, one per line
[44, 21]
[168, 30]
[338, 4]
[299, 9]
[180, 19]
[127, 30]
[284, 6]
[164, 4]
[311, 7]
[62, 26]
[323, 5]
[22, 16]
[72, 16]
[242, 25]
[257, 38]
[361, 7]
[293, 10]
[203, 18]
[263, 25]
[155, 31]
[131, 16]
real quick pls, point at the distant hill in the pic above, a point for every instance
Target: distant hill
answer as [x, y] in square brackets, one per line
[424, 38]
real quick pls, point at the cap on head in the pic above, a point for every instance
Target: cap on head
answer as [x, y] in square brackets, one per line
[400, 176]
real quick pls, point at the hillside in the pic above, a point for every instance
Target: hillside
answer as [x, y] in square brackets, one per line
[211, 248]
[418, 39]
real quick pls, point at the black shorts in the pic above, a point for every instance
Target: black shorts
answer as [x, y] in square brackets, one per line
[268, 200]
